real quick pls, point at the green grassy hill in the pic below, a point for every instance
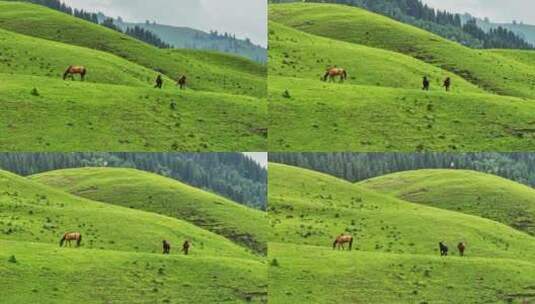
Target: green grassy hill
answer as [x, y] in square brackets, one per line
[120, 258]
[37, 213]
[340, 117]
[24, 55]
[469, 192]
[526, 57]
[38, 21]
[300, 55]
[493, 73]
[320, 275]
[47, 274]
[101, 117]
[361, 114]
[150, 192]
[396, 247]
[117, 109]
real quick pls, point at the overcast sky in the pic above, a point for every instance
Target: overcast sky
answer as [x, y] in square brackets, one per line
[259, 157]
[245, 18]
[496, 10]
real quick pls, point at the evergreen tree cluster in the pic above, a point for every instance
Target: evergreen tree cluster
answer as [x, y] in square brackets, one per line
[146, 36]
[232, 175]
[443, 23]
[519, 167]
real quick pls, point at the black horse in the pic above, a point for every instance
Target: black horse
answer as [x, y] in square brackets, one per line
[159, 82]
[443, 249]
[166, 247]
[425, 83]
[447, 84]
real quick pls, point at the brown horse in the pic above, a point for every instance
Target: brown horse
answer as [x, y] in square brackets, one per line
[71, 236]
[181, 82]
[71, 70]
[341, 240]
[332, 73]
[461, 248]
[185, 247]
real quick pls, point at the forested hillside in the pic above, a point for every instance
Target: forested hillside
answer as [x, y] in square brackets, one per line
[519, 167]
[459, 28]
[232, 175]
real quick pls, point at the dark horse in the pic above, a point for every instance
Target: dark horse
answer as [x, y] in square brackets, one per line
[71, 70]
[159, 82]
[447, 84]
[443, 249]
[181, 82]
[332, 73]
[185, 247]
[166, 247]
[341, 240]
[425, 84]
[461, 248]
[71, 236]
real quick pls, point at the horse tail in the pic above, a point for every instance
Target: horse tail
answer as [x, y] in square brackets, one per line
[79, 240]
[62, 240]
[67, 72]
[345, 74]
[334, 244]
[350, 243]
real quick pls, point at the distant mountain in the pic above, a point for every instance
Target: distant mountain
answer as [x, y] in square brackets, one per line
[526, 31]
[190, 38]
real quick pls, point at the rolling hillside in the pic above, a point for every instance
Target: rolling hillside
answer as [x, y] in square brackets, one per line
[47, 274]
[396, 247]
[111, 258]
[150, 192]
[116, 108]
[468, 192]
[41, 22]
[102, 117]
[379, 53]
[493, 73]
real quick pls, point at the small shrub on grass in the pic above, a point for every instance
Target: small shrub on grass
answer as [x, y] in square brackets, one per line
[274, 263]
[12, 259]
[35, 92]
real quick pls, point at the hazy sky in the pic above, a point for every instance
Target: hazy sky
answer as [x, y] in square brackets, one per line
[259, 157]
[245, 18]
[496, 10]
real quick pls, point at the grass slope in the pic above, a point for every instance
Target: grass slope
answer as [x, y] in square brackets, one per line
[74, 116]
[34, 212]
[39, 21]
[469, 192]
[301, 55]
[150, 192]
[320, 275]
[47, 274]
[341, 117]
[20, 54]
[396, 259]
[310, 208]
[494, 73]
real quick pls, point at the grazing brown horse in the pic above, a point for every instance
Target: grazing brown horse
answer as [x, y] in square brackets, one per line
[185, 247]
[181, 82]
[461, 248]
[73, 69]
[166, 247]
[332, 73]
[71, 236]
[341, 240]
